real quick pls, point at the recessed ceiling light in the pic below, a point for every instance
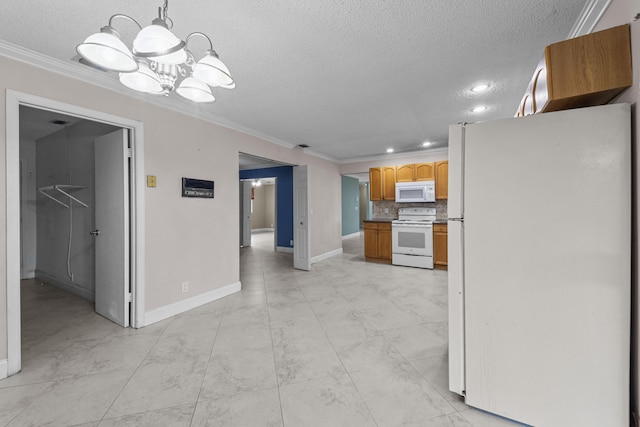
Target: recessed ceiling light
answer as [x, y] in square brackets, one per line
[480, 88]
[389, 150]
[426, 144]
[479, 109]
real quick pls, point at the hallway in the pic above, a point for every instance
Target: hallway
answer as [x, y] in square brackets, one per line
[348, 344]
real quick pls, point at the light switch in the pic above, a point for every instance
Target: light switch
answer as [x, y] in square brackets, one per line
[151, 180]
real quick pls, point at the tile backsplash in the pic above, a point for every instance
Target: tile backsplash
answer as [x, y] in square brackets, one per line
[389, 209]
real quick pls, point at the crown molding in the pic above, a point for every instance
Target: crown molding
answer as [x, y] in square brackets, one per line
[394, 155]
[589, 17]
[104, 80]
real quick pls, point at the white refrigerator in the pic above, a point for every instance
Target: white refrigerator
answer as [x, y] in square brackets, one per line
[539, 237]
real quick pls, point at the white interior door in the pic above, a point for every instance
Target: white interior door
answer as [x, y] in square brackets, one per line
[301, 241]
[245, 213]
[112, 227]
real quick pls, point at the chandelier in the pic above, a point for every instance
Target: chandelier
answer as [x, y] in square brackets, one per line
[159, 62]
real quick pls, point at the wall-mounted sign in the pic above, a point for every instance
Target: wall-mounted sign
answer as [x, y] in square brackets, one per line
[197, 188]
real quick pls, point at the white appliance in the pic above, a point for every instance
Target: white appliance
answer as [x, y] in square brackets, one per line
[539, 238]
[412, 192]
[412, 237]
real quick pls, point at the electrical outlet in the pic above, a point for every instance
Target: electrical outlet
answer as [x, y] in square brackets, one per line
[185, 287]
[291, 242]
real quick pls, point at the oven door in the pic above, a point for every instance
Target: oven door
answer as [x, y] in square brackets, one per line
[412, 239]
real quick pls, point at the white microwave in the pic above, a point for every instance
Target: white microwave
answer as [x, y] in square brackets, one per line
[411, 192]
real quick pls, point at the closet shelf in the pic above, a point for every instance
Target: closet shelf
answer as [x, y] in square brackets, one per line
[64, 189]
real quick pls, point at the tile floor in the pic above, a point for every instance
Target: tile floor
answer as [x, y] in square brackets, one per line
[348, 344]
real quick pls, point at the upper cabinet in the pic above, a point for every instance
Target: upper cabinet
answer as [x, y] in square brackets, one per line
[375, 184]
[388, 183]
[442, 179]
[580, 72]
[415, 172]
[382, 183]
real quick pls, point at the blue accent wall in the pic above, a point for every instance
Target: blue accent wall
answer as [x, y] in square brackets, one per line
[350, 205]
[284, 202]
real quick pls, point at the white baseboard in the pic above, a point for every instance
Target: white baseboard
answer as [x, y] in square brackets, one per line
[71, 287]
[348, 236]
[171, 310]
[4, 372]
[261, 229]
[284, 249]
[326, 255]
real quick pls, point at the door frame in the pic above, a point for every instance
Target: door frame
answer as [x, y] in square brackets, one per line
[14, 100]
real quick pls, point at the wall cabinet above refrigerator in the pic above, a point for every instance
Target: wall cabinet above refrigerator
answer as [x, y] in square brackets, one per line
[584, 71]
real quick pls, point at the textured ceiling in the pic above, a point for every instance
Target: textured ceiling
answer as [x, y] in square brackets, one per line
[349, 78]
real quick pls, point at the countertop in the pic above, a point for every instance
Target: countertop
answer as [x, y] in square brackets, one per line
[380, 220]
[437, 221]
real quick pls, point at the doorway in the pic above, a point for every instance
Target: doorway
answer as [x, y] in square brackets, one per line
[64, 199]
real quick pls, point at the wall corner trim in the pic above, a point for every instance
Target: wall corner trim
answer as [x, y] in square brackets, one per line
[4, 372]
[326, 255]
[171, 310]
[349, 236]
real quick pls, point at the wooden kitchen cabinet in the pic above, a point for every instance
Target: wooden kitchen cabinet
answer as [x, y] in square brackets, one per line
[442, 179]
[415, 172]
[580, 72]
[440, 246]
[382, 183]
[388, 183]
[377, 241]
[375, 184]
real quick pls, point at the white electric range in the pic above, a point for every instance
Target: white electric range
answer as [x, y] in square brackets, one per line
[412, 237]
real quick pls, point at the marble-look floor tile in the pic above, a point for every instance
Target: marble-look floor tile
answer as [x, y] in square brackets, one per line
[236, 372]
[174, 417]
[73, 401]
[285, 311]
[420, 341]
[373, 352]
[286, 296]
[170, 376]
[436, 371]
[194, 323]
[399, 396]
[238, 337]
[329, 401]
[388, 316]
[244, 314]
[256, 409]
[479, 418]
[449, 420]
[305, 359]
[14, 400]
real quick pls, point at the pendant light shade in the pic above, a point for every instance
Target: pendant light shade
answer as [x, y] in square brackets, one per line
[159, 62]
[211, 70]
[156, 42]
[143, 80]
[195, 90]
[106, 50]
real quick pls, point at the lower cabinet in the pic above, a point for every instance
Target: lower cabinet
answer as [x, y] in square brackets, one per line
[440, 247]
[377, 241]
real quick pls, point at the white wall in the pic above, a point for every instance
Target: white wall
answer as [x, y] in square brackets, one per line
[28, 208]
[269, 205]
[177, 145]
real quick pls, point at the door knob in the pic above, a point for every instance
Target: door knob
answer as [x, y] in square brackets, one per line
[94, 232]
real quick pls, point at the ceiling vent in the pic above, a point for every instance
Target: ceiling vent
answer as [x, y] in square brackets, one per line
[58, 122]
